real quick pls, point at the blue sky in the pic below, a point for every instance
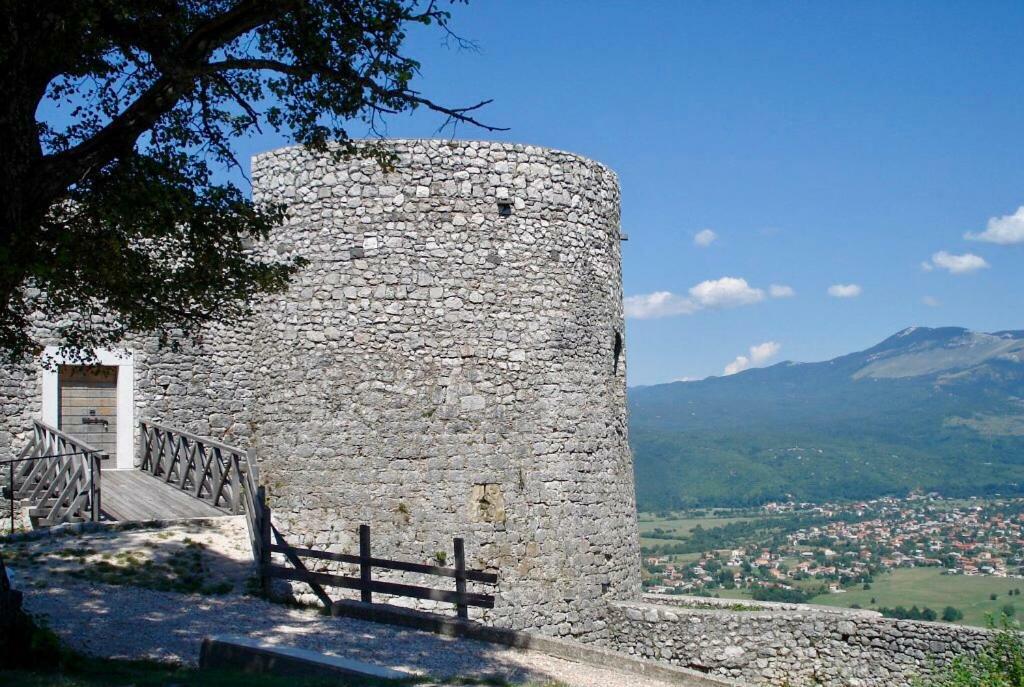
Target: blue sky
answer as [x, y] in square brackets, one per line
[824, 143]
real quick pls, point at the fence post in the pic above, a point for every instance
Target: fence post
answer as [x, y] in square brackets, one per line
[365, 569]
[460, 577]
[264, 535]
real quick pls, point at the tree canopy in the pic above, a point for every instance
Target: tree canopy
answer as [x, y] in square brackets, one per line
[115, 115]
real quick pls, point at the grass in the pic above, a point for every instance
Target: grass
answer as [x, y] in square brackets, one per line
[929, 587]
[732, 593]
[181, 571]
[683, 526]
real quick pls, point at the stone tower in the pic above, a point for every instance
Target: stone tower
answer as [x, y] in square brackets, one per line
[451, 363]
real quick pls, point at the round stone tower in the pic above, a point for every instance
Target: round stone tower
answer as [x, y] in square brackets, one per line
[451, 363]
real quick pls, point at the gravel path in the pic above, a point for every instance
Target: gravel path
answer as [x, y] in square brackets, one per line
[129, 622]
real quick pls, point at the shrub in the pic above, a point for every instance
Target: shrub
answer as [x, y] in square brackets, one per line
[1000, 663]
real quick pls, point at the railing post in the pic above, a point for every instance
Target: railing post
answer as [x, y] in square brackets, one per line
[252, 465]
[93, 513]
[460, 577]
[264, 535]
[236, 483]
[365, 569]
[98, 493]
[142, 445]
[12, 501]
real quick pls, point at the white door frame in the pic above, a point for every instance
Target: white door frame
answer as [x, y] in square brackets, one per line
[124, 361]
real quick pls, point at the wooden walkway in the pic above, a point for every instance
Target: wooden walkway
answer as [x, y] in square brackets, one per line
[136, 495]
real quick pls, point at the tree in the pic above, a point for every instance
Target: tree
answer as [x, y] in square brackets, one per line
[951, 614]
[111, 221]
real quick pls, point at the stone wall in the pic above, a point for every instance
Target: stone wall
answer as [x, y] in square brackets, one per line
[204, 387]
[793, 648]
[20, 400]
[450, 363]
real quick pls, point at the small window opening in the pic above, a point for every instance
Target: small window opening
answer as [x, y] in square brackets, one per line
[617, 351]
[504, 209]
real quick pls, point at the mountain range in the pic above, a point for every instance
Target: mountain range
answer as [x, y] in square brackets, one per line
[930, 409]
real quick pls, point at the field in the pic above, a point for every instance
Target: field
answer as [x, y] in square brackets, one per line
[679, 526]
[929, 587]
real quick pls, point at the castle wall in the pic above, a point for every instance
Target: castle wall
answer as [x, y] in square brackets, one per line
[785, 644]
[450, 364]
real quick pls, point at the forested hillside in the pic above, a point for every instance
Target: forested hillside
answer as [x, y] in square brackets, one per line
[936, 409]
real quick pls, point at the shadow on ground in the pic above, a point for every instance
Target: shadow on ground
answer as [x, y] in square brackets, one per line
[68, 583]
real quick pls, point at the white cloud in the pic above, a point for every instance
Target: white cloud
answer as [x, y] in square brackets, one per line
[741, 363]
[931, 302]
[956, 264]
[781, 291]
[762, 352]
[845, 290]
[1003, 230]
[758, 354]
[658, 304]
[704, 238]
[727, 292]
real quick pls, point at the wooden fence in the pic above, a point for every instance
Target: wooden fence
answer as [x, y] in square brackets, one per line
[59, 476]
[228, 477]
[365, 583]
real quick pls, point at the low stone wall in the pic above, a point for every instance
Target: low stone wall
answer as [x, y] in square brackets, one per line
[715, 603]
[794, 646]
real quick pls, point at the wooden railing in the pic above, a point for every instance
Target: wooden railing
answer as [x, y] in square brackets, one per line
[225, 476]
[365, 583]
[204, 468]
[59, 476]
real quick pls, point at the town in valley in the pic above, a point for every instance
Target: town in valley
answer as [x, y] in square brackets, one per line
[921, 556]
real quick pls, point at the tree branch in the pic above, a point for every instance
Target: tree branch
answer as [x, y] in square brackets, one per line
[458, 113]
[58, 170]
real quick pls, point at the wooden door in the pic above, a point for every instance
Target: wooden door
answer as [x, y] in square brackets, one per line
[88, 407]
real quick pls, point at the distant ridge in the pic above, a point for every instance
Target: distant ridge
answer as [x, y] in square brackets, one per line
[931, 408]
